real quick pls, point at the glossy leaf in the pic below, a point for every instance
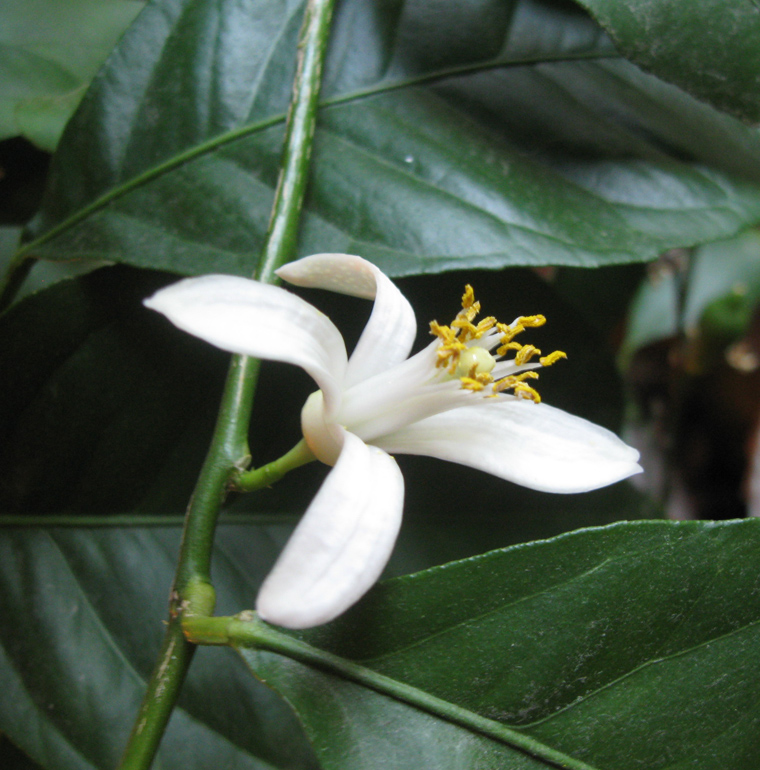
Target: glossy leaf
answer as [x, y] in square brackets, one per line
[82, 622]
[103, 409]
[49, 52]
[13, 758]
[99, 588]
[707, 48]
[342, 719]
[45, 273]
[469, 138]
[72, 425]
[623, 647]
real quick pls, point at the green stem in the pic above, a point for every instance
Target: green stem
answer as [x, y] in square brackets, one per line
[228, 454]
[161, 695]
[266, 475]
[291, 185]
[192, 582]
[247, 630]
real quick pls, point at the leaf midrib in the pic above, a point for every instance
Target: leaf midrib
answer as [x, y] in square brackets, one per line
[245, 634]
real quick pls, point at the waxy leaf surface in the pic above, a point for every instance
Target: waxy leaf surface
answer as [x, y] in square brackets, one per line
[483, 135]
[623, 647]
[650, 627]
[708, 48]
[83, 613]
[49, 52]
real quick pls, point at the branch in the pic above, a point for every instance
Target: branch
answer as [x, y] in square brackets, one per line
[228, 454]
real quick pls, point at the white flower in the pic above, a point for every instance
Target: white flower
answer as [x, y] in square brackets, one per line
[459, 399]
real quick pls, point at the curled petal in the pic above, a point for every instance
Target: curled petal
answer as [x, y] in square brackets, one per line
[389, 334]
[341, 545]
[253, 319]
[534, 445]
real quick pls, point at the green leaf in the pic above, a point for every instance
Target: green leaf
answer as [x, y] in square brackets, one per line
[45, 273]
[13, 758]
[105, 407]
[623, 647]
[82, 622]
[69, 588]
[355, 727]
[49, 52]
[707, 48]
[473, 137]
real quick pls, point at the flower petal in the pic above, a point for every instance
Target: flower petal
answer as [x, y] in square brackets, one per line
[534, 445]
[342, 543]
[254, 319]
[389, 334]
[399, 395]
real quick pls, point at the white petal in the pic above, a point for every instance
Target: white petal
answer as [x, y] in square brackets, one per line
[342, 543]
[389, 334]
[534, 445]
[400, 395]
[251, 318]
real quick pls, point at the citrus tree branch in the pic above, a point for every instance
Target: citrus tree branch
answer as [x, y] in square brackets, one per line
[192, 594]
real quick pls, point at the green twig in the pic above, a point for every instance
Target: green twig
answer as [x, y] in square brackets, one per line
[247, 630]
[161, 695]
[228, 454]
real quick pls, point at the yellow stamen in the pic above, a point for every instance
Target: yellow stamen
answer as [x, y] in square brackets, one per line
[511, 381]
[472, 364]
[526, 353]
[525, 391]
[466, 326]
[531, 321]
[508, 346]
[552, 358]
[468, 298]
[468, 383]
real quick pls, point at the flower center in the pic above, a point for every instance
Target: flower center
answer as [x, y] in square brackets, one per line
[465, 350]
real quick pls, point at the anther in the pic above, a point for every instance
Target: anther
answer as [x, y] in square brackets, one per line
[470, 384]
[531, 321]
[552, 358]
[525, 391]
[526, 353]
